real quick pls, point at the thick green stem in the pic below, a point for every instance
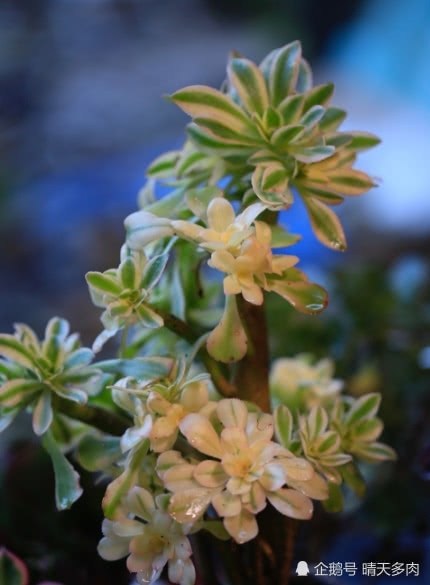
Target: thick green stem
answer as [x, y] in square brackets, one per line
[99, 418]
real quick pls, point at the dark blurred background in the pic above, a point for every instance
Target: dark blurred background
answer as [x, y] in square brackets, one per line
[81, 116]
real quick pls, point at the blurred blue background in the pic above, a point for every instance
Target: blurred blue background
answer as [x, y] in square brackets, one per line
[82, 114]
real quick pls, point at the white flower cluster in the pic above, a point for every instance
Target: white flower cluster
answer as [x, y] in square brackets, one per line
[224, 460]
[239, 246]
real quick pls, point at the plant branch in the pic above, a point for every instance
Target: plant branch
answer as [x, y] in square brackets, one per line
[252, 377]
[182, 329]
[104, 420]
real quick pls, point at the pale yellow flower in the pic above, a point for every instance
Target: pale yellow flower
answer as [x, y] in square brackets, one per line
[149, 535]
[247, 468]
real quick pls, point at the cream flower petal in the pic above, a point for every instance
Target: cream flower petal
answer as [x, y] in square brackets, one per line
[252, 293]
[222, 260]
[257, 499]
[231, 285]
[144, 227]
[247, 216]
[273, 477]
[201, 435]
[195, 396]
[238, 486]
[163, 427]
[146, 576]
[135, 435]
[259, 427]
[181, 572]
[263, 233]
[128, 528]
[220, 214]
[182, 548]
[291, 503]
[297, 468]
[234, 441]
[112, 549]
[141, 503]
[187, 230]
[188, 506]
[232, 413]
[281, 262]
[226, 504]
[167, 460]
[210, 474]
[179, 477]
[242, 527]
[157, 404]
[316, 487]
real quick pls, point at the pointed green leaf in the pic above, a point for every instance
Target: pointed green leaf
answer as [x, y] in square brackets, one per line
[374, 452]
[95, 453]
[14, 350]
[127, 273]
[53, 350]
[103, 283]
[140, 367]
[367, 429]
[153, 271]
[80, 357]
[250, 85]
[168, 206]
[362, 141]
[364, 408]
[67, 487]
[352, 477]
[284, 70]
[149, 318]
[281, 238]
[332, 119]
[163, 166]
[350, 181]
[334, 503]
[58, 327]
[311, 154]
[283, 425]
[224, 133]
[271, 119]
[304, 296]
[325, 224]
[319, 95]
[209, 144]
[12, 392]
[200, 101]
[316, 422]
[189, 162]
[312, 117]
[43, 414]
[282, 137]
[329, 442]
[291, 108]
[305, 77]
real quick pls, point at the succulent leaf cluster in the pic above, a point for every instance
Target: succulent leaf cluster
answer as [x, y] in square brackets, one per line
[180, 446]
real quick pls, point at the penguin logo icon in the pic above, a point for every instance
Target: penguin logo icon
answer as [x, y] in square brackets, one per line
[302, 569]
